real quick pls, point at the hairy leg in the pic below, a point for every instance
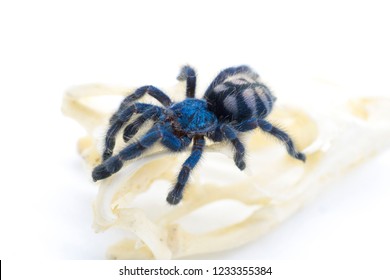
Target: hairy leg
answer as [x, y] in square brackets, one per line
[239, 148]
[115, 163]
[216, 135]
[253, 123]
[137, 94]
[140, 92]
[188, 74]
[126, 110]
[176, 194]
[282, 136]
[174, 143]
[131, 129]
[134, 150]
[116, 124]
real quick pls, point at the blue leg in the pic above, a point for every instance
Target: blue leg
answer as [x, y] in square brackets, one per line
[239, 148]
[228, 72]
[152, 91]
[170, 140]
[132, 129]
[117, 122]
[140, 92]
[134, 150]
[188, 74]
[176, 194]
[216, 135]
[282, 136]
[115, 163]
[253, 123]
[174, 143]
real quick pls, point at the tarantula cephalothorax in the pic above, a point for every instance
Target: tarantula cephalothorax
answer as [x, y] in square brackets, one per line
[235, 102]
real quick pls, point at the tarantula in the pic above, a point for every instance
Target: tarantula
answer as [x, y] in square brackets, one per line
[235, 102]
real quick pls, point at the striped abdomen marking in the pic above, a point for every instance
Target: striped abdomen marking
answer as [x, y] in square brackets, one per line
[240, 99]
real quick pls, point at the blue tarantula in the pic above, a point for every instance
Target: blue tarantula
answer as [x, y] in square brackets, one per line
[235, 102]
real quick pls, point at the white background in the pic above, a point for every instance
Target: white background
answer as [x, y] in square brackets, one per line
[48, 46]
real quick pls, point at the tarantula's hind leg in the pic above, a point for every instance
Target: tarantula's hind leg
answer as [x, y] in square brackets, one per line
[176, 194]
[282, 136]
[188, 74]
[239, 148]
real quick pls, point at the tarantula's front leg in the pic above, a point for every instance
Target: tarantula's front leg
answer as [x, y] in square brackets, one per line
[117, 122]
[140, 92]
[239, 148]
[131, 129]
[188, 74]
[115, 163]
[176, 194]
